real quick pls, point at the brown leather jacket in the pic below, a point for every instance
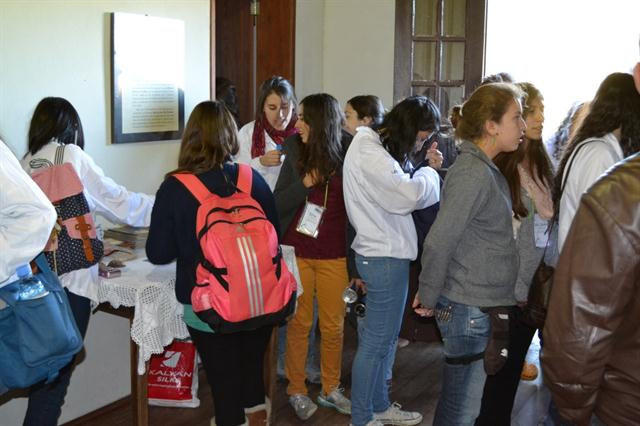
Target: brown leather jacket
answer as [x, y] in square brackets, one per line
[591, 352]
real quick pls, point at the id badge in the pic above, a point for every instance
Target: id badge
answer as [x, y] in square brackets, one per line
[310, 220]
[540, 226]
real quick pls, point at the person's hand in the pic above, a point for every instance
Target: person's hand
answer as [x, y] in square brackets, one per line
[419, 309]
[310, 179]
[434, 156]
[271, 158]
[360, 285]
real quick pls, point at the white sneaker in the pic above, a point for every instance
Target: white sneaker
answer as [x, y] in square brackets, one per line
[337, 400]
[303, 406]
[395, 416]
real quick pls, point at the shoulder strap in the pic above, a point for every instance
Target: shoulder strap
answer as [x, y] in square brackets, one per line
[245, 177]
[573, 157]
[194, 185]
[59, 154]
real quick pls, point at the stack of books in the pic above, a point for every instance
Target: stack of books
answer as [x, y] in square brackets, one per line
[132, 236]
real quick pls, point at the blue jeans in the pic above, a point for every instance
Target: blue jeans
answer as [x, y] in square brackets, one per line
[387, 282]
[45, 400]
[388, 366]
[465, 335]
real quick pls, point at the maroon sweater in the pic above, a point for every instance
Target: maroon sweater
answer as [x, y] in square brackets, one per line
[330, 243]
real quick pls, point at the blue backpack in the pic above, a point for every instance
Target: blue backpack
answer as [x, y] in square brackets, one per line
[38, 337]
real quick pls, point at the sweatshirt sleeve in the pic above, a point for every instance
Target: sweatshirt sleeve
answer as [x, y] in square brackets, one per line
[107, 197]
[393, 189]
[289, 192]
[528, 254]
[26, 216]
[465, 191]
[162, 245]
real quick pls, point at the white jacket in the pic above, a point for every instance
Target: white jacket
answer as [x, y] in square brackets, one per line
[380, 196]
[591, 161]
[26, 217]
[103, 196]
[270, 174]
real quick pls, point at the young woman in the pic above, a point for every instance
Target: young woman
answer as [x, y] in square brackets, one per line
[233, 362]
[469, 260]
[609, 133]
[261, 140]
[380, 197]
[529, 175]
[56, 123]
[311, 208]
[363, 110]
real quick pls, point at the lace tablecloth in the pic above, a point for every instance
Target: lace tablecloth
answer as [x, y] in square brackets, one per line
[149, 289]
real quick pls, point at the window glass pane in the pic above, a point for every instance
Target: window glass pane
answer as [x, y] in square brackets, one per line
[425, 17]
[450, 97]
[454, 17]
[424, 61]
[428, 91]
[452, 66]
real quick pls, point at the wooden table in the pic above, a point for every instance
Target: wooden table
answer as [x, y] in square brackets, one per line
[145, 295]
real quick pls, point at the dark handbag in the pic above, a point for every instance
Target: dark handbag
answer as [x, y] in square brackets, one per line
[39, 336]
[535, 311]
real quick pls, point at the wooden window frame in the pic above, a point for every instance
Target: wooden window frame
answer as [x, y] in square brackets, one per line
[475, 48]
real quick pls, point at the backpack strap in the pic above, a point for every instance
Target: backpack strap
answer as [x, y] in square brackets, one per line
[59, 157]
[194, 185]
[245, 177]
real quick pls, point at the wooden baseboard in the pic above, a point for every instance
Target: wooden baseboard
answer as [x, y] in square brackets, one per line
[121, 405]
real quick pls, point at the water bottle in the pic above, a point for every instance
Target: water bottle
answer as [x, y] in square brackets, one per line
[349, 295]
[30, 286]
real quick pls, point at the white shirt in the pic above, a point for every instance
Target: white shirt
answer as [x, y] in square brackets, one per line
[26, 217]
[589, 164]
[270, 174]
[380, 196]
[103, 196]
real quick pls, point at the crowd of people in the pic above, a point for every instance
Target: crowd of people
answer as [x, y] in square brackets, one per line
[367, 174]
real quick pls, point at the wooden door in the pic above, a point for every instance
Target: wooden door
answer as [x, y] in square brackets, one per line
[236, 47]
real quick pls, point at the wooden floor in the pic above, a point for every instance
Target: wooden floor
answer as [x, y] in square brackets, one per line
[416, 385]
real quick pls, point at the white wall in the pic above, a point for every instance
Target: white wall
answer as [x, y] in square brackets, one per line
[61, 48]
[354, 53]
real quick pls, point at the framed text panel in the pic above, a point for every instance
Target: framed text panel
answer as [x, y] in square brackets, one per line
[147, 78]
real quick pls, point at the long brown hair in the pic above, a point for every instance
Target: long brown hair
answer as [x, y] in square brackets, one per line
[323, 152]
[539, 162]
[616, 105]
[209, 140]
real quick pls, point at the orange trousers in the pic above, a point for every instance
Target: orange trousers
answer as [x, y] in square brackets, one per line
[324, 279]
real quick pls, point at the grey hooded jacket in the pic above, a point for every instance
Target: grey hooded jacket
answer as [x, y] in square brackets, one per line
[470, 254]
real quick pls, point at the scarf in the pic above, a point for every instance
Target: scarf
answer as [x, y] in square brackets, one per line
[261, 125]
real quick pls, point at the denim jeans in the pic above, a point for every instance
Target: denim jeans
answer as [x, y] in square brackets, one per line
[45, 400]
[387, 282]
[388, 366]
[465, 334]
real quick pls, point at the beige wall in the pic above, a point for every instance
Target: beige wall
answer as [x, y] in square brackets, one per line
[352, 54]
[61, 48]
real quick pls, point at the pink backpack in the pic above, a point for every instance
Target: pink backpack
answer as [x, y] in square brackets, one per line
[73, 243]
[242, 282]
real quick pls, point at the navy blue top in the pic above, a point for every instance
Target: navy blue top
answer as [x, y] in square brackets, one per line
[172, 234]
